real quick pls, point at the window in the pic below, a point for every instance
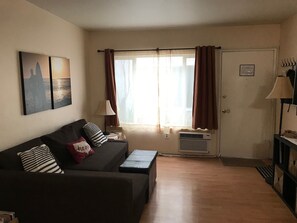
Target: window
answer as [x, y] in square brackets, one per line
[155, 87]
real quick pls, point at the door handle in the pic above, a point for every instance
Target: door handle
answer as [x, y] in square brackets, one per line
[226, 111]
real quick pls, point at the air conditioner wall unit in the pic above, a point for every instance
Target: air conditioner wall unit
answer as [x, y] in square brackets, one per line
[194, 142]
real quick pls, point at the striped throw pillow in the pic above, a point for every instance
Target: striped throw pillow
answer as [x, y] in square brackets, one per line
[94, 134]
[39, 159]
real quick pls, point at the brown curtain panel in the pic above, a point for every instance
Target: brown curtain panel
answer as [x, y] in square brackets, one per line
[110, 87]
[204, 113]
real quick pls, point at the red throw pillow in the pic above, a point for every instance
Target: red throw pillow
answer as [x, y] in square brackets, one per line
[80, 149]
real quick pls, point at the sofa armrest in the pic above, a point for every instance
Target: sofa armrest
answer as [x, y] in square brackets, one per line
[75, 198]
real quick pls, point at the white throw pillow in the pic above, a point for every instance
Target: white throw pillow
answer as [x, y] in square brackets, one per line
[39, 159]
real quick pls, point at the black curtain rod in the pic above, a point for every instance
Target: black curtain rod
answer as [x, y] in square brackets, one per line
[154, 49]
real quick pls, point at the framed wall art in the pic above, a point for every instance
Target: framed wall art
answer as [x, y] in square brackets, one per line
[35, 78]
[61, 81]
[247, 70]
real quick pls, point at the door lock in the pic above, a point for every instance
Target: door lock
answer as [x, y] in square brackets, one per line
[226, 111]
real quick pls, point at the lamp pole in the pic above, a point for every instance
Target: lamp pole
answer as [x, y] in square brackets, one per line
[281, 117]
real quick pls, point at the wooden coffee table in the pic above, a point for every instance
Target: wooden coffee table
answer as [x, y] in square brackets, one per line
[142, 161]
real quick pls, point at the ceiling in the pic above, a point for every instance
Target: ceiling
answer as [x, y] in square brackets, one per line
[149, 14]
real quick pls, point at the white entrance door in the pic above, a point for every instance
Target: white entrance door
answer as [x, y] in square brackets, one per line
[246, 117]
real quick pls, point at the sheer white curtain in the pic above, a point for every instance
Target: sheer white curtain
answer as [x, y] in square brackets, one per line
[155, 88]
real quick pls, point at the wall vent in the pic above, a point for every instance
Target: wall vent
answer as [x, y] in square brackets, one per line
[194, 142]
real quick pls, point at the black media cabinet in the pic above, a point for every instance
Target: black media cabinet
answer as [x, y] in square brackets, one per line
[285, 170]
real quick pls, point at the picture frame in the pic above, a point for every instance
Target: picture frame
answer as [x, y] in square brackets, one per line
[247, 70]
[60, 82]
[36, 82]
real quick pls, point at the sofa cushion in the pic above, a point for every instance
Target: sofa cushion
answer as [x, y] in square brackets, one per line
[39, 159]
[77, 127]
[139, 181]
[94, 134]
[57, 140]
[10, 160]
[108, 157]
[80, 149]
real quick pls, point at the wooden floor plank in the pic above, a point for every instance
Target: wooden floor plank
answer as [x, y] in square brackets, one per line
[202, 190]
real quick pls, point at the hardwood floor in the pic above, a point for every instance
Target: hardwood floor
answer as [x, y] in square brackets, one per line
[203, 190]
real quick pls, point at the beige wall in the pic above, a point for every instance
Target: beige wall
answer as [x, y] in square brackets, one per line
[240, 37]
[288, 49]
[24, 27]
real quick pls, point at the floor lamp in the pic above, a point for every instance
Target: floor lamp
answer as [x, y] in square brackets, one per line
[105, 109]
[282, 89]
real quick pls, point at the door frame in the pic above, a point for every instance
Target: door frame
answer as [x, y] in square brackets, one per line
[220, 77]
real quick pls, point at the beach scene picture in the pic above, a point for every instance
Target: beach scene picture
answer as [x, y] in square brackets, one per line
[61, 82]
[35, 76]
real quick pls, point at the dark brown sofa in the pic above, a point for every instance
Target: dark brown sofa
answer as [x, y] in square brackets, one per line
[92, 191]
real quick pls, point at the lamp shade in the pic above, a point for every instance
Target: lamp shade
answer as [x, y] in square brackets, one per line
[105, 109]
[282, 88]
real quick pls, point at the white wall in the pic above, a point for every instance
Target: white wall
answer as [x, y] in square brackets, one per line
[288, 49]
[229, 37]
[25, 27]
